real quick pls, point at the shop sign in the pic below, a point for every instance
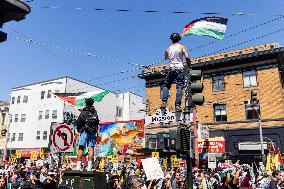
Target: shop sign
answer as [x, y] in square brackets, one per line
[214, 145]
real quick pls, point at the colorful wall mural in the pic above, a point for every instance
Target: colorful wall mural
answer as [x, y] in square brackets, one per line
[120, 138]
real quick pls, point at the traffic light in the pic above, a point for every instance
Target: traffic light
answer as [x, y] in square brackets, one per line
[196, 87]
[180, 139]
[254, 96]
[3, 36]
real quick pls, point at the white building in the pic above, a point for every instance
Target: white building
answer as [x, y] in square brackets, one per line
[33, 109]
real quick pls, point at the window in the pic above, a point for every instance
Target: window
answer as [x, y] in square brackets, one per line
[25, 100]
[46, 114]
[13, 100]
[44, 136]
[3, 118]
[16, 117]
[40, 115]
[11, 118]
[249, 78]
[54, 114]
[153, 143]
[42, 94]
[56, 91]
[23, 117]
[18, 99]
[13, 137]
[49, 94]
[220, 112]
[252, 111]
[38, 135]
[218, 83]
[21, 137]
[119, 111]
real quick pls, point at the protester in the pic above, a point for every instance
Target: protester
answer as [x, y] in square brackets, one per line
[3, 183]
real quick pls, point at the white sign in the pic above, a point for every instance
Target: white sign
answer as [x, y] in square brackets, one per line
[164, 116]
[152, 168]
[212, 164]
[62, 138]
[203, 131]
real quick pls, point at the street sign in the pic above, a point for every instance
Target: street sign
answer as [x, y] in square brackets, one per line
[62, 138]
[164, 116]
[212, 164]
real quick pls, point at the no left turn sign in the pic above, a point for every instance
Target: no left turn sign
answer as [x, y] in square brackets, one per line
[62, 138]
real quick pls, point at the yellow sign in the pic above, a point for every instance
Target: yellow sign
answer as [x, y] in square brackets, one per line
[114, 159]
[18, 154]
[102, 164]
[67, 159]
[34, 155]
[155, 155]
[42, 154]
[13, 159]
[165, 162]
[173, 160]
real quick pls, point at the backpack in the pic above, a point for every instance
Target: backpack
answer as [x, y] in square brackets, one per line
[91, 122]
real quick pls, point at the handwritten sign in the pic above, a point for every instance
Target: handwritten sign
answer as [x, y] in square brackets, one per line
[152, 168]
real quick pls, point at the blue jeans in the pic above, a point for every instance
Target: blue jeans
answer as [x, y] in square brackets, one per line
[171, 76]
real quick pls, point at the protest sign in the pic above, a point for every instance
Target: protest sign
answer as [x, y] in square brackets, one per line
[152, 168]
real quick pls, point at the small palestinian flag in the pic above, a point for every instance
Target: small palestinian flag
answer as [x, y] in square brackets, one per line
[212, 26]
[79, 100]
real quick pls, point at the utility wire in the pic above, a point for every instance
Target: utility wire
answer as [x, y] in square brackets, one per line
[148, 11]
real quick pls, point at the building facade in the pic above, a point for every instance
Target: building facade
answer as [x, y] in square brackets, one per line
[34, 107]
[4, 122]
[228, 80]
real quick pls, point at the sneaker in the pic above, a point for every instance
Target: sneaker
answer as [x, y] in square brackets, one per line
[164, 105]
[89, 168]
[178, 109]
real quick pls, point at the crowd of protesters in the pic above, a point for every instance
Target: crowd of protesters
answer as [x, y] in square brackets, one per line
[132, 176]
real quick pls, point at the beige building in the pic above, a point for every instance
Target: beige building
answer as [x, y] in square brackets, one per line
[228, 80]
[4, 122]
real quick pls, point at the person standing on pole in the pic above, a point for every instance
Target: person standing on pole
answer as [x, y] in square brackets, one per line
[176, 53]
[88, 129]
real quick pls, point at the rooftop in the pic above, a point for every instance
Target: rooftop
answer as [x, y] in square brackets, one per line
[224, 57]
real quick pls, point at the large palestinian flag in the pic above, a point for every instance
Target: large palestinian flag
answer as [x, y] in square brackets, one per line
[212, 26]
[79, 101]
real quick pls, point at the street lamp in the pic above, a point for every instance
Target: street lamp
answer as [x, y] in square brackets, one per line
[253, 105]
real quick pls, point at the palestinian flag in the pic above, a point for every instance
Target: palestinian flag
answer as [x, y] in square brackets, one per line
[212, 26]
[79, 100]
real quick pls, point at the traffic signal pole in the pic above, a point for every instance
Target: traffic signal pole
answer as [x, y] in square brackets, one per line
[186, 120]
[194, 123]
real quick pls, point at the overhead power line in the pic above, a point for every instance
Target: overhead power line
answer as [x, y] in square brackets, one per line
[147, 11]
[29, 40]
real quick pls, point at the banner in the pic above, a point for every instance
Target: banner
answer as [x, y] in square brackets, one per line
[120, 138]
[216, 144]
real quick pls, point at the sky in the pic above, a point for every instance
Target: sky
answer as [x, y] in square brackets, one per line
[47, 43]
